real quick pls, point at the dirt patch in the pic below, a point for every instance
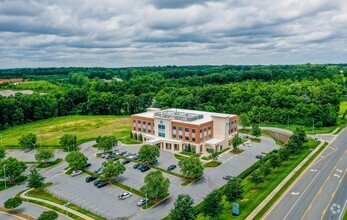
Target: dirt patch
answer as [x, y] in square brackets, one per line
[13, 80]
[244, 200]
[8, 93]
[254, 190]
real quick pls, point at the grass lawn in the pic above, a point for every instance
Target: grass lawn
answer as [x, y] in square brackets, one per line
[179, 157]
[343, 105]
[9, 185]
[84, 127]
[254, 195]
[237, 151]
[49, 164]
[255, 140]
[212, 164]
[308, 130]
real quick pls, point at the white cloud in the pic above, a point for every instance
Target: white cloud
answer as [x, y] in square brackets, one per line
[153, 32]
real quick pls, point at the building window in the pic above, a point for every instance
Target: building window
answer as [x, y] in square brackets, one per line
[193, 130]
[138, 122]
[134, 121]
[173, 135]
[187, 138]
[144, 130]
[149, 123]
[186, 129]
[144, 122]
[200, 148]
[209, 136]
[180, 128]
[150, 131]
[209, 127]
[161, 127]
[139, 129]
[205, 129]
[134, 128]
[161, 134]
[180, 137]
[173, 127]
[176, 147]
[193, 139]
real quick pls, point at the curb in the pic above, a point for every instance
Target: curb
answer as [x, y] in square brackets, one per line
[20, 215]
[279, 187]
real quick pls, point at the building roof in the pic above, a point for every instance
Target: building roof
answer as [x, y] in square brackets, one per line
[184, 115]
[213, 141]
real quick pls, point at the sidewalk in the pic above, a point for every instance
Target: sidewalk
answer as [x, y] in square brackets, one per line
[23, 196]
[279, 187]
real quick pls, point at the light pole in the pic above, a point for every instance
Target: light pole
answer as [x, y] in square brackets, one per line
[207, 181]
[34, 147]
[5, 175]
[67, 213]
[146, 200]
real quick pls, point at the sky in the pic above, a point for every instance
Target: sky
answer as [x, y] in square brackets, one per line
[114, 33]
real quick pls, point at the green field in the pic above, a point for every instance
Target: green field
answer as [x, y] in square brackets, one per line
[343, 105]
[84, 127]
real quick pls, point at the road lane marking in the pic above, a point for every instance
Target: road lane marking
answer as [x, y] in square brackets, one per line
[312, 170]
[285, 217]
[337, 175]
[295, 193]
[340, 171]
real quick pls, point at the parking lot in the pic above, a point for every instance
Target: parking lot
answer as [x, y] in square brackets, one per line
[105, 201]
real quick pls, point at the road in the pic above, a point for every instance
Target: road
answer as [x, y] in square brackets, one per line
[321, 186]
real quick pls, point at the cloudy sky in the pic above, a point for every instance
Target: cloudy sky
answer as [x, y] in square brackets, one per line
[114, 33]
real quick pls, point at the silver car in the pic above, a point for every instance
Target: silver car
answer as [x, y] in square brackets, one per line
[142, 202]
[124, 195]
[76, 173]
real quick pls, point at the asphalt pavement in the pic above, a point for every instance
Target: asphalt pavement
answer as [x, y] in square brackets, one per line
[312, 194]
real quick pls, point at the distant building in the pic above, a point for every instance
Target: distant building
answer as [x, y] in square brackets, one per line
[179, 129]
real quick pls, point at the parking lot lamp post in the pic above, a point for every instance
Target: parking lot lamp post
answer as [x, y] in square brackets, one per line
[5, 175]
[67, 213]
[146, 200]
[34, 147]
[207, 181]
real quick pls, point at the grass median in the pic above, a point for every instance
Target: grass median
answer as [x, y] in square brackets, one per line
[18, 181]
[49, 164]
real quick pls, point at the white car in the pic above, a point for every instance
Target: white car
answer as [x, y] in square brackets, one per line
[76, 172]
[124, 195]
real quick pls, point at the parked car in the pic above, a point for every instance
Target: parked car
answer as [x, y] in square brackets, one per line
[103, 155]
[123, 152]
[316, 139]
[91, 178]
[87, 165]
[228, 177]
[259, 156]
[115, 151]
[99, 170]
[107, 156]
[142, 202]
[27, 150]
[171, 167]
[102, 184]
[136, 165]
[126, 161]
[124, 195]
[144, 168]
[153, 162]
[76, 172]
[136, 157]
[140, 166]
[127, 154]
[96, 182]
[114, 158]
[247, 144]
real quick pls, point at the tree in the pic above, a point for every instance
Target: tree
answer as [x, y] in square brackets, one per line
[215, 155]
[265, 169]
[13, 203]
[44, 154]
[14, 168]
[233, 190]
[256, 132]
[149, 153]
[112, 170]
[183, 208]
[284, 153]
[244, 120]
[107, 142]
[236, 141]
[275, 160]
[27, 141]
[76, 160]
[48, 215]
[191, 167]
[2, 153]
[68, 141]
[212, 205]
[35, 179]
[256, 178]
[156, 185]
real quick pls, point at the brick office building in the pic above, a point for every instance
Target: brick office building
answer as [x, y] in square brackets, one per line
[177, 129]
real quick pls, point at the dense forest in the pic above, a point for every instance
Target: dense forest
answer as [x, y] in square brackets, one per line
[301, 93]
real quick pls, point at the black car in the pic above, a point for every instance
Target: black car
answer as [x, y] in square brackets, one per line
[91, 178]
[97, 182]
[114, 158]
[135, 157]
[140, 166]
[153, 162]
[145, 168]
[123, 152]
[171, 167]
[136, 165]
[259, 156]
[87, 165]
[102, 184]
[126, 161]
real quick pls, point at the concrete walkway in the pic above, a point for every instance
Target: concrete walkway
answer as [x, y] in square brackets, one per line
[279, 187]
[23, 195]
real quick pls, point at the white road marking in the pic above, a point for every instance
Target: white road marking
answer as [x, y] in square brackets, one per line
[340, 171]
[343, 208]
[301, 195]
[337, 175]
[295, 193]
[312, 170]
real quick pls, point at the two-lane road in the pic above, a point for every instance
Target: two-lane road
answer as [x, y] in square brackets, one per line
[313, 193]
